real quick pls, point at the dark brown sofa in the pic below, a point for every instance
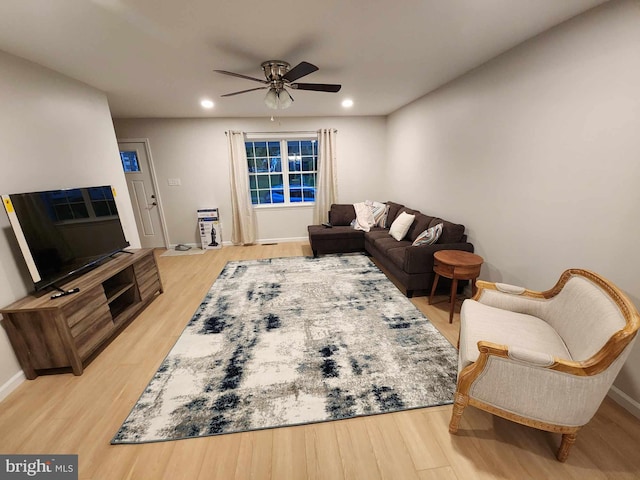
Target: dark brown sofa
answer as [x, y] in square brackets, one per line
[412, 266]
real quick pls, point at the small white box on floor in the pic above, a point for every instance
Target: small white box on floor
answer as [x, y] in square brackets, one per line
[209, 227]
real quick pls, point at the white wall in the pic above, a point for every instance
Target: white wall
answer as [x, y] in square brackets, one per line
[55, 132]
[195, 150]
[537, 152]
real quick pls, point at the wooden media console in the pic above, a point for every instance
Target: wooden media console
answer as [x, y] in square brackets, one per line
[63, 332]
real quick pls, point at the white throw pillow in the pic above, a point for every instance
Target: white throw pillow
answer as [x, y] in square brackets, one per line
[401, 225]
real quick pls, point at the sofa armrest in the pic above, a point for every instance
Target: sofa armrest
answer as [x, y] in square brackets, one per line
[419, 259]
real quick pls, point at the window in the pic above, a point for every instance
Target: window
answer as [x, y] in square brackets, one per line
[130, 161]
[274, 181]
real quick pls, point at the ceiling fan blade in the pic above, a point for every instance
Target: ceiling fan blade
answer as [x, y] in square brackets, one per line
[239, 75]
[299, 71]
[317, 87]
[243, 91]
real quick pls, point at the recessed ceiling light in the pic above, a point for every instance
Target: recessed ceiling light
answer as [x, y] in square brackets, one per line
[206, 103]
[348, 103]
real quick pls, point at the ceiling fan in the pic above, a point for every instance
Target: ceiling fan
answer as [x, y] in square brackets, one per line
[279, 75]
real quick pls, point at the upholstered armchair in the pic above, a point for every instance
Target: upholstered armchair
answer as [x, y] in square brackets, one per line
[543, 359]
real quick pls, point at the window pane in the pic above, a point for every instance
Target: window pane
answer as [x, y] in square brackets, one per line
[254, 197]
[294, 164]
[261, 149]
[274, 149]
[309, 194]
[293, 147]
[262, 165]
[277, 195]
[265, 196]
[309, 179]
[276, 181]
[249, 149]
[251, 163]
[306, 148]
[308, 164]
[130, 161]
[295, 180]
[263, 181]
[275, 165]
[252, 182]
[295, 194]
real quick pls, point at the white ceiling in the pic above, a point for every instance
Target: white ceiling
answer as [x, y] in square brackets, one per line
[155, 58]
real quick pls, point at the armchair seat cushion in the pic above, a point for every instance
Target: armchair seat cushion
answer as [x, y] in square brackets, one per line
[504, 327]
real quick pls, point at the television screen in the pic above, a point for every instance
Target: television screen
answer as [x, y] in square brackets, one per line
[62, 232]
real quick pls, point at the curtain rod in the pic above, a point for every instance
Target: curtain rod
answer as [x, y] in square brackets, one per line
[298, 132]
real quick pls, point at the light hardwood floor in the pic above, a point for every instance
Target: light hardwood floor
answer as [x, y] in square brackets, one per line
[59, 414]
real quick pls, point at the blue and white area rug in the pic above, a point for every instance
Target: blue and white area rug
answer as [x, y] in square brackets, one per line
[290, 341]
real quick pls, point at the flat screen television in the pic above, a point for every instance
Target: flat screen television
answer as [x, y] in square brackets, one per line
[64, 232]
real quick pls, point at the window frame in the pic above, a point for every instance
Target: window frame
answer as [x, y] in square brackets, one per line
[285, 172]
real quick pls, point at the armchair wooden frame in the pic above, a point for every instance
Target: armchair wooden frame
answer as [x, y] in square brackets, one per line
[597, 363]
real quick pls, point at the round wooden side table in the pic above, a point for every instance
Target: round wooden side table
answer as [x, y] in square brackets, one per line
[456, 265]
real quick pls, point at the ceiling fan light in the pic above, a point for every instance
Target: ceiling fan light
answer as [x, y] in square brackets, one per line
[271, 99]
[285, 99]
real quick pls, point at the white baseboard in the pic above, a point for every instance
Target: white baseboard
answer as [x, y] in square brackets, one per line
[261, 241]
[281, 240]
[625, 401]
[11, 384]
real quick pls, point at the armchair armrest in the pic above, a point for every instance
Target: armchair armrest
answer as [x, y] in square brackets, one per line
[483, 286]
[535, 359]
[531, 357]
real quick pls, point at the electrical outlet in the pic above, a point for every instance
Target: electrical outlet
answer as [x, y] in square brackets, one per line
[174, 182]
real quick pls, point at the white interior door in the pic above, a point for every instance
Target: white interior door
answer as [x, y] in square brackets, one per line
[144, 198]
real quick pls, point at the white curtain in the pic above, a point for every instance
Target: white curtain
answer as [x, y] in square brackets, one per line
[242, 213]
[327, 181]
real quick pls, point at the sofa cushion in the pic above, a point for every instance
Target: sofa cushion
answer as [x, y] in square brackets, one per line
[319, 232]
[388, 243]
[376, 233]
[401, 225]
[342, 214]
[419, 225]
[394, 210]
[451, 232]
